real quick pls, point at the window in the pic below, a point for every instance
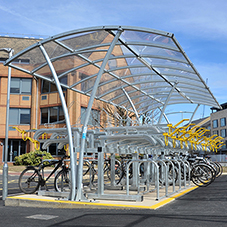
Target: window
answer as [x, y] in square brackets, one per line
[53, 150]
[215, 123]
[223, 133]
[44, 97]
[19, 116]
[15, 148]
[85, 84]
[48, 87]
[20, 86]
[25, 98]
[45, 86]
[94, 118]
[215, 132]
[52, 114]
[223, 121]
[224, 145]
[20, 61]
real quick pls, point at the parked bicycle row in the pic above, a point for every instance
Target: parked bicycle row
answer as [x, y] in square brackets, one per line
[125, 169]
[143, 173]
[201, 170]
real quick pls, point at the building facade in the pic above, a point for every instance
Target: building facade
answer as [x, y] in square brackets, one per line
[35, 103]
[216, 124]
[219, 124]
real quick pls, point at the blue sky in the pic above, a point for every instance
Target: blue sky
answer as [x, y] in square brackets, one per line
[200, 26]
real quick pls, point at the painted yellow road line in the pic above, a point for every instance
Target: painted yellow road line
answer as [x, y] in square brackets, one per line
[12, 181]
[184, 192]
[10, 188]
[84, 203]
[162, 203]
[155, 206]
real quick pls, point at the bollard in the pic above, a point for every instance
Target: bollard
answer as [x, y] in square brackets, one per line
[5, 181]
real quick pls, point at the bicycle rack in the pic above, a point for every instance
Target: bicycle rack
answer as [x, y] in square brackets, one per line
[133, 140]
[173, 177]
[155, 176]
[90, 173]
[100, 191]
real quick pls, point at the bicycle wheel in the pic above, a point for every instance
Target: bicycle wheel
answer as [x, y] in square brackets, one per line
[122, 170]
[89, 172]
[94, 172]
[202, 175]
[220, 169]
[61, 181]
[172, 175]
[86, 168]
[29, 180]
[117, 171]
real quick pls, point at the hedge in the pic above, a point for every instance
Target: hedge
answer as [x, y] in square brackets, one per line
[31, 158]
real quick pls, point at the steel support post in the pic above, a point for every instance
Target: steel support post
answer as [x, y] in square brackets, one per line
[68, 125]
[112, 169]
[5, 166]
[100, 172]
[135, 171]
[87, 115]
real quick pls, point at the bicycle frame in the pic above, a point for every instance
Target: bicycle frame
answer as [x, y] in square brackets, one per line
[42, 166]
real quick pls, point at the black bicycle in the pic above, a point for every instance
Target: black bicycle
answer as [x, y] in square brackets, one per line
[202, 172]
[90, 167]
[33, 176]
[125, 160]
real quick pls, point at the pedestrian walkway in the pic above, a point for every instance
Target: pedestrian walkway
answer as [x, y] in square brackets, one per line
[149, 201]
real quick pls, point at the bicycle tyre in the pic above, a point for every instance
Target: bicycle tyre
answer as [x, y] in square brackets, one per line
[62, 181]
[202, 175]
[29, 180]
[89, 169]
[117, 171]
[172, 175]
[123, 173]
[220, 169]
[86, 168]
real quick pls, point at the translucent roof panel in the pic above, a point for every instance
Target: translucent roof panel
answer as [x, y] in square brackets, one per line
[147, 69]
[148, 37]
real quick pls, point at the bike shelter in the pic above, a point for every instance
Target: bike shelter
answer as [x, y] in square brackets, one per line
[144, 72]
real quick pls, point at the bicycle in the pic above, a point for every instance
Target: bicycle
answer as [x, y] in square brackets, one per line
[90, 167]
[216, 165]
[32, 177]
[202, 172]
[123, 168]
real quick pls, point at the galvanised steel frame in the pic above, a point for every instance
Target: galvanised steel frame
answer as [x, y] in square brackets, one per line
[150, 72]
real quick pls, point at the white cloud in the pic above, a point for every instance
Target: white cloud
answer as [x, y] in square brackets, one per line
[198, 17]
[26, 21]
[194, 19]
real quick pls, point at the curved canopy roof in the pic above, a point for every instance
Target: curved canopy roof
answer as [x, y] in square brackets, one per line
[146, 71]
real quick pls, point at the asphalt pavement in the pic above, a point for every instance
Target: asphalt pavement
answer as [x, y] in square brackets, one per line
[205, 206]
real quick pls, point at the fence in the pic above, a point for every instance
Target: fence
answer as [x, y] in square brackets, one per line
[219, 158]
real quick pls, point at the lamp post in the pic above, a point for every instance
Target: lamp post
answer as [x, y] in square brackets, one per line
[5, 166]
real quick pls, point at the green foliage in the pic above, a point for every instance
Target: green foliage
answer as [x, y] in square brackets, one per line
[31, 158]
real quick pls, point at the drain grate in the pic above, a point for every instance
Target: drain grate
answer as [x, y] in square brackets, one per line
[42, 217]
